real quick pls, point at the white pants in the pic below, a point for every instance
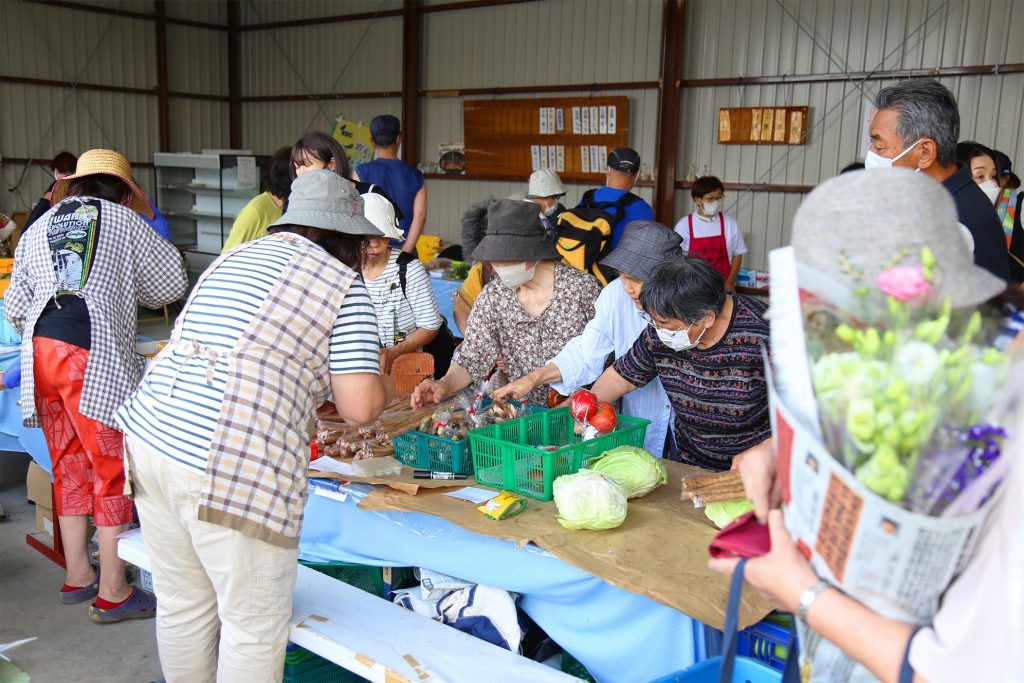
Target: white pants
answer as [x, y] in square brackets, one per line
[223, 599]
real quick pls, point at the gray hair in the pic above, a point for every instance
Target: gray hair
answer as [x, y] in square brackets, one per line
[686, 289]
[927, 109]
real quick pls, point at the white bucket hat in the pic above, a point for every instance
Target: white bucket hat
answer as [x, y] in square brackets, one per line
[545, 183]
[381, 213]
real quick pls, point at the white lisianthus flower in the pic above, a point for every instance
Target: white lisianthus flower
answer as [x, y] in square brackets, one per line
[916, 362]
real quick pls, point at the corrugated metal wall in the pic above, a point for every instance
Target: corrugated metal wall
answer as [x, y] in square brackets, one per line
[65, 44]
[731, 38]
[539, 43]
[549, 42]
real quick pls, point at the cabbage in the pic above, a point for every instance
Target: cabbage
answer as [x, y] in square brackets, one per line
[724, 513]
[589, 500]
[638, 471]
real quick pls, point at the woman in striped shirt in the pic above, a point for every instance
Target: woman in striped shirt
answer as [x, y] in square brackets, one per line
[216, 436]
[408, 318]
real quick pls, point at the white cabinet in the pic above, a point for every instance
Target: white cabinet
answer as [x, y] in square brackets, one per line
[201, 194]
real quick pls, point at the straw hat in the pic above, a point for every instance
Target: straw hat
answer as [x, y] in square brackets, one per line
[514, 233]
[105, 162]
[854, 226]
[323, 199]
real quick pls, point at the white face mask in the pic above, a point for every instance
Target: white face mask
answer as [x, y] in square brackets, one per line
[550, 211]
[516, 276]
[873, 160]
[991, 189]
[678, 340]
[712, 208]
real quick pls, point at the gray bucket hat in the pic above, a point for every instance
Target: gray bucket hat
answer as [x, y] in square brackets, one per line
[856, 225]
[323, 199]
[644, 246]
[514, 233]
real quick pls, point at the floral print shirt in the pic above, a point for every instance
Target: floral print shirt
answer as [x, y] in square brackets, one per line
[499, 326]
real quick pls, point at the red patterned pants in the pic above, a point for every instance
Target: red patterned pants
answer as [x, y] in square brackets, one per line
[88, 456]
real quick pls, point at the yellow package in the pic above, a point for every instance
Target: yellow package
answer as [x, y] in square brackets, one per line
[503, 505]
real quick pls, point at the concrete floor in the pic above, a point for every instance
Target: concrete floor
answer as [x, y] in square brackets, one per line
[71, 648]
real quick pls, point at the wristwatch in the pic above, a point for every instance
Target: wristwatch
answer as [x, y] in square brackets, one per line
[808, 597]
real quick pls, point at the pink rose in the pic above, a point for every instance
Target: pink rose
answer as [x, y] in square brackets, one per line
[903, 282]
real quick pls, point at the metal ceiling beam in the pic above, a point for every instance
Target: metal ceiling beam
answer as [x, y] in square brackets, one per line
[125, 13]
[877, 75]
[102, 87]
[163, 107]
[667, 131]
[362, 16]
[410, 80]
[234, 77]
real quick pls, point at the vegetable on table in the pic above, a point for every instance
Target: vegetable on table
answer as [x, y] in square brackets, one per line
[582, 405]
[638, 471]
[589, 500]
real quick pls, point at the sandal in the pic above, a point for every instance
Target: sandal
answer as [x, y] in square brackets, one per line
[78, 595]
[73, 597]
[139, 605]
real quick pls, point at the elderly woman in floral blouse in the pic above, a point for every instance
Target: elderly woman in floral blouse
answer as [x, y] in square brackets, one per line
[526, 315]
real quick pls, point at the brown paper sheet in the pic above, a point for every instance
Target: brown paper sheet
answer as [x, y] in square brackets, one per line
[403, 482]
[660, 551]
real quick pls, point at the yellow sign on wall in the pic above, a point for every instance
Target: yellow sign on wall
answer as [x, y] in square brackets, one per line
[355, 138]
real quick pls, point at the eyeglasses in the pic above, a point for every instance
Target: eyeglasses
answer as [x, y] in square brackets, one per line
[650, 321]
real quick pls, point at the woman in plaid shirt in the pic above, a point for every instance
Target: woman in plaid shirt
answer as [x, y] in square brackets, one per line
[79, 275]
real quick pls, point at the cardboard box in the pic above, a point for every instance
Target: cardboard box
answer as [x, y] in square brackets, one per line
[44, 520]
[40, 492]
[6, 267]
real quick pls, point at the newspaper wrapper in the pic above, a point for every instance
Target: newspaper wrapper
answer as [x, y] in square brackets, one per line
[894, 561]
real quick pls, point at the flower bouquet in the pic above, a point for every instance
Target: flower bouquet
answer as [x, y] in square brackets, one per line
[905, 386]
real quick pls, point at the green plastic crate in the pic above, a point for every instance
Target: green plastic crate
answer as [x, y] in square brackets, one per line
[309, 667]
[504, 455]
[574, 667]
[376, 580]
[426, 452]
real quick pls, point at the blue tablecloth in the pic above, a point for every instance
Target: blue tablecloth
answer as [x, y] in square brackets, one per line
[13, 435]
[444, 292]
[619, 636]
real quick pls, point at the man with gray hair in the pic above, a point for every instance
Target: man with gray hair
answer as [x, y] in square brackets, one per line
[917, 126]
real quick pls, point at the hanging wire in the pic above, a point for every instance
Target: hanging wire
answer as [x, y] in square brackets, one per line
[16, 188]
[298, 74]
[344, 68]
[747, 193]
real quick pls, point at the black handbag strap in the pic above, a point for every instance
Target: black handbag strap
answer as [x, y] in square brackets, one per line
[791, 673]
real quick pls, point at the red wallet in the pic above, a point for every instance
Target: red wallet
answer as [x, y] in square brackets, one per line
[745, 537]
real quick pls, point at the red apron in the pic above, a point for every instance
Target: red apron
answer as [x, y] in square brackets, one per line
[712, 249]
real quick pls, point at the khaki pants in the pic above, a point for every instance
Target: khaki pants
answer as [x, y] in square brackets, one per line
[223, 599]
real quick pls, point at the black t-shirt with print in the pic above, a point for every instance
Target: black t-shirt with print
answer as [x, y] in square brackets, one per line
[73, 232]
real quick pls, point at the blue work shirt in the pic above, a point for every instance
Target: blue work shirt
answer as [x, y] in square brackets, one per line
[614, 328]
[637, 211]
[400, 182]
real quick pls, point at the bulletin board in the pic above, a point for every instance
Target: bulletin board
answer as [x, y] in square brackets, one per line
[762, 126]
[572, 135]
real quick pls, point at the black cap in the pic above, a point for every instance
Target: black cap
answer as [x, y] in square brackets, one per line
[384, 129]
[624, 159]
[1003, 164]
